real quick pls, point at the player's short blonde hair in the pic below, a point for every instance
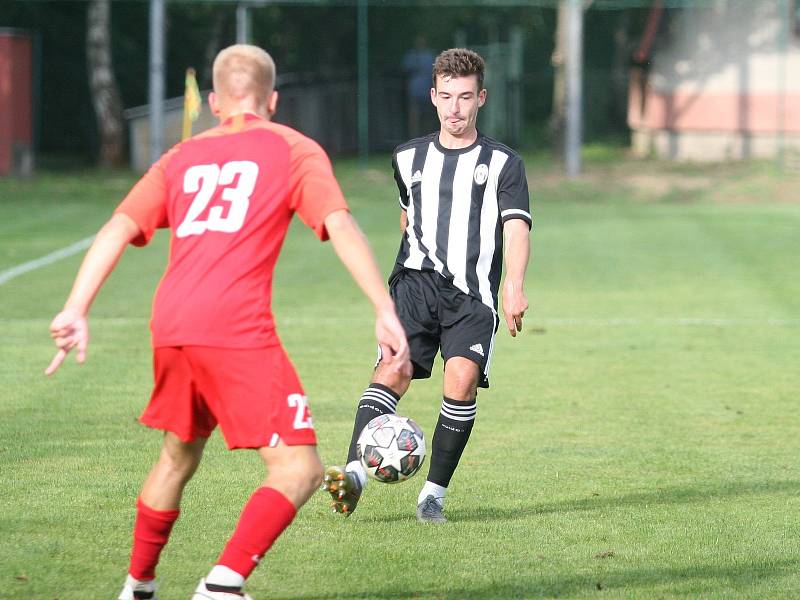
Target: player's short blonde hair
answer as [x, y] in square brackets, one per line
[242, 70]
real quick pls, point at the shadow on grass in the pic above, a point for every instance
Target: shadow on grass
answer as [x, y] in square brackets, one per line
[658, 496]
[692, 581]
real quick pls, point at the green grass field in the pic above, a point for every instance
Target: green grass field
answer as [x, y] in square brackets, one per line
[639, 440]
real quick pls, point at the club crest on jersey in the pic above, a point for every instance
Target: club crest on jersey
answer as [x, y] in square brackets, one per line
[417, 176]
[481, 174]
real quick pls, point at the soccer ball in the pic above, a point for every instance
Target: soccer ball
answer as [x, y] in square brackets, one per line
[391, 448]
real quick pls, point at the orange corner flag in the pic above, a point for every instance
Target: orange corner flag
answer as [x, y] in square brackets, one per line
[192, 103]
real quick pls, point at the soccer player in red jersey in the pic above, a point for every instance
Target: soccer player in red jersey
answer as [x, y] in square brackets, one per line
[227, 196]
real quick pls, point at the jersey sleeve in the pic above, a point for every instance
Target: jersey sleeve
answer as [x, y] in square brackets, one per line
[315, 193]
[146, 203]
[401, 185]
[512, 192]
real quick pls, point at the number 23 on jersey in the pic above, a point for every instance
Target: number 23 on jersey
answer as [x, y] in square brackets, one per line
[203, 181]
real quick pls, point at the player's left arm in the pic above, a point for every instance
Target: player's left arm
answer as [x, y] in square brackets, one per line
[514, 204]
[517, 251]
[70, 329]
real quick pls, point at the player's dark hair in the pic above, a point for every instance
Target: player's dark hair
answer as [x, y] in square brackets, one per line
[459, 62]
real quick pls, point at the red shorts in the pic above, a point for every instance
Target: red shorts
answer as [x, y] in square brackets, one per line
[254, 395]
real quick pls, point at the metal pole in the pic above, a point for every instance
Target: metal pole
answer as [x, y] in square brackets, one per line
[242, 23]
[156, 90]
[516, 70]
[363, 83]
[574, 69]
[785, 16]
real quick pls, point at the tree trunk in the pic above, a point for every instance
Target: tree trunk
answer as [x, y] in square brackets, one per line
[558, 113]
[213, 46]
[103, 85]
[620, 68]
[557, 123]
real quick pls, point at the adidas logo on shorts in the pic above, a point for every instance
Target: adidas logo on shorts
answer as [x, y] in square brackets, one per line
[477, 348]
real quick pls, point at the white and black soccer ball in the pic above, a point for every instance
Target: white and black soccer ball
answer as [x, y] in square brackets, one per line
[391, 448]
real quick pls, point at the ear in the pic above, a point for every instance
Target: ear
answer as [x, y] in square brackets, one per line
[482, 97]
[433, 96]
[213, 104]
[272, 103]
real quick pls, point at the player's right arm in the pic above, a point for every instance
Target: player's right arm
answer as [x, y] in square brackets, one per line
[402, 191]
[69, 329]
[134, 221]
[353, 250]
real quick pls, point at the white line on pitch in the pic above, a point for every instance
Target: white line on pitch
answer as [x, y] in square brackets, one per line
[633, 321]
[47, 259]
[532, 324]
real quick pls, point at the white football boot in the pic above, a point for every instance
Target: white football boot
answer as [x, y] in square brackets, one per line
[430, 511]
[138, 590]
[218, 592]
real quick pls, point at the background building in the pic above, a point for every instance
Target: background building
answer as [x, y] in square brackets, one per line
[722, 83]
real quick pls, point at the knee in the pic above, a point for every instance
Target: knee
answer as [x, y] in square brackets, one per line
[461, 379]
[179, 467]
[180, 470]
[395, 380]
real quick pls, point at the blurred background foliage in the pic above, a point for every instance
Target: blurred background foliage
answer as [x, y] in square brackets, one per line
[318, 41]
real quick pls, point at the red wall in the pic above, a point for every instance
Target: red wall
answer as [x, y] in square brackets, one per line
[16, 99]
[756, 113]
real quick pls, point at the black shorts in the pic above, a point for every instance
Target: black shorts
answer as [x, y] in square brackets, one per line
[436, 314]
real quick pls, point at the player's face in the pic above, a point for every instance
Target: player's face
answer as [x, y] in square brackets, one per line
[457, 100]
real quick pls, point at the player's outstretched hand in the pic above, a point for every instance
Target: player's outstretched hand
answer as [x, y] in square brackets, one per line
[69, 330]
[392, 341]
[515, 303]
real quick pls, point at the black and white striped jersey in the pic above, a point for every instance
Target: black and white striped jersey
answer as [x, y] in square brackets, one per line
[456, 201]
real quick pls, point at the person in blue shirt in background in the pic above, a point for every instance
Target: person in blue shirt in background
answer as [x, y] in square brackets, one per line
[417, 66]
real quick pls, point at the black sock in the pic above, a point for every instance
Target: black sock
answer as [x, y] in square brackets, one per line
[225, 589]
[456, 419]
[376, 400]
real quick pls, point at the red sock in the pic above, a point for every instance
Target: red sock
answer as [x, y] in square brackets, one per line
[150, 535]
[265, 516]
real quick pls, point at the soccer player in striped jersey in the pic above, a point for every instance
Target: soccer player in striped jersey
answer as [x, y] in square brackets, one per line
[464, 211]
[227, 196]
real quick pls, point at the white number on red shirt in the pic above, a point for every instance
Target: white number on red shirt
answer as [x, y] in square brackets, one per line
[301, 418]
[203, 181]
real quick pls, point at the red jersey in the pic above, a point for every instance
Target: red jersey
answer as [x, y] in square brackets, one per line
[228, 195]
